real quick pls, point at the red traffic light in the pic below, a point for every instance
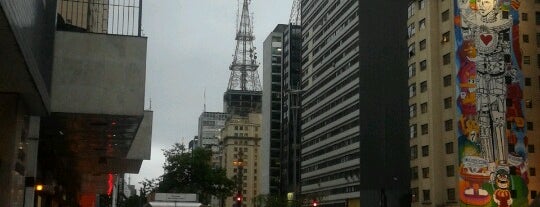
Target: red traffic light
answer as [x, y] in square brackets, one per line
[314, 203]
[238, 198]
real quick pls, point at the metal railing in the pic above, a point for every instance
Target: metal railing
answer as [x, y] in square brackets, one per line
[119, 17]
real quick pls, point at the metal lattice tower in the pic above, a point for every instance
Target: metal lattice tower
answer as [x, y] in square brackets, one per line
[244, 75]
[295, 17]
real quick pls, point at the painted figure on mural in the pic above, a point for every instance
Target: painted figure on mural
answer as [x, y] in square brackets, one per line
[502, 196]
[488, 27]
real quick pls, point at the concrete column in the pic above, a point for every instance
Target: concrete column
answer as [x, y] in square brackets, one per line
[31, 159]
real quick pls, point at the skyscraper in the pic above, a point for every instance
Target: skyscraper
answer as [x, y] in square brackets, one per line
[354, 124]
[271, 108]
[472, 102]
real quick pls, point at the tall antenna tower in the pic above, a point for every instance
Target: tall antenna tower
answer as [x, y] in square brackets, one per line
[295, 17]
[244, 75]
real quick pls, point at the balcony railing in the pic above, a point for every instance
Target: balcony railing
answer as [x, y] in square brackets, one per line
[119, 17]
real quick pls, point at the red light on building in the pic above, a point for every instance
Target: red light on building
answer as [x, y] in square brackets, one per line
[110, 184]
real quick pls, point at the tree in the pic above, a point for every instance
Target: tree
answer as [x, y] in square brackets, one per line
[191, 172]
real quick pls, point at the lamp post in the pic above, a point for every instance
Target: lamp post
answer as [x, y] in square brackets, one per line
[239, 164]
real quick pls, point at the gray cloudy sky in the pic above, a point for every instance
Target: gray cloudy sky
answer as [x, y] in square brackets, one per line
[190, 48]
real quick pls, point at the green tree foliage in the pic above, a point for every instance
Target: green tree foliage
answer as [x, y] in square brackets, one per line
[191, 172]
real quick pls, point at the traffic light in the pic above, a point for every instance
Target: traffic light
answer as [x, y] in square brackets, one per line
[238, 200]
[314, 203]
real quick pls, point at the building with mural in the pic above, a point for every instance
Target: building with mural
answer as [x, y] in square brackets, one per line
[472, 77]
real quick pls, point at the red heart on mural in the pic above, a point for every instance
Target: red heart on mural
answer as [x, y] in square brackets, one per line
[486, 38]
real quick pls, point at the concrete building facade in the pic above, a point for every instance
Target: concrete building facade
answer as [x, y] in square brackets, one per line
[271, 109]
[464, 56]
[210, 125]
[242, 140]
[72, 109]
[354, 122]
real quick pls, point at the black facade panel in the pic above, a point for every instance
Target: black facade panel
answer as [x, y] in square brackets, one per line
[384, 159]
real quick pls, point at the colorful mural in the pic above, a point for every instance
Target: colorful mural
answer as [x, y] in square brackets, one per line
[491, 137]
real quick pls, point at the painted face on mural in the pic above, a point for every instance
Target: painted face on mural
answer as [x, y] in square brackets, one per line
[486, 6]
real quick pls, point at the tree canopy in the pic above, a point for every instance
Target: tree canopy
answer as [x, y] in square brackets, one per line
[191, 172]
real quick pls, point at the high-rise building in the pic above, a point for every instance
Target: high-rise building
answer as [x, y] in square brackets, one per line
[241, 160]
[280, 109]
[271, 109]
[473, 91]
[290, 110]
[354, 103]
[240, 137]
[210, 125]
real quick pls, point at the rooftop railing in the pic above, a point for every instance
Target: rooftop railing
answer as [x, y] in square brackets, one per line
[118, 17]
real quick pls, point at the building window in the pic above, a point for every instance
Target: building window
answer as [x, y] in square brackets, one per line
[451, 194]
[423, 65]
[445, 16]
[425, 172]
[410, 10]
[424, 129]
[423, 87]
[531, 148]
[533, 194]
[528, 103]
[411, 30]
[423, 107]
[448, 103]
[449, 171]
[414, 195]
[525, 38]
[527, 81]
[448, 125]
[527, 60]
[426, 195]
[447, 80]
[412, 131]
[449, 146]
[412, 70]
[414, 152]
[421, 4]
[532, 171]
[537, 16]
[524, 16]
[422, 44]
[411, 50]
[446, 59]
[414, 173]
[425, 150]
[412, 111]
[422, 24]
[537, 39]
[445, 37]
[412, 90]
[530, 126]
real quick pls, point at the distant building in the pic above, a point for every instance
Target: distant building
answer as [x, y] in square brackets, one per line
[241, 141]
[210, 125]
[271, 110]
[291, 94]
[281, 109]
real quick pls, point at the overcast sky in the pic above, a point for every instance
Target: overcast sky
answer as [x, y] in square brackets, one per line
[190, 48]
